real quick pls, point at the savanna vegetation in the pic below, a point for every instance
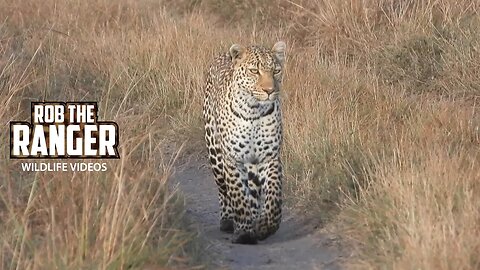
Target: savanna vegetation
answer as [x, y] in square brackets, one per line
[381, 116]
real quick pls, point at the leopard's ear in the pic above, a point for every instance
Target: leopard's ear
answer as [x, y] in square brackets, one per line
[237, 52]
[279, 50]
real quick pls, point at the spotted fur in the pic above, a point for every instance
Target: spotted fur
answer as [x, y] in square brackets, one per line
[243, 134]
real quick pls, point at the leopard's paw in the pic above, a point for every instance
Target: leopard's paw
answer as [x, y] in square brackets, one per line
[226, 225]
[245, 238]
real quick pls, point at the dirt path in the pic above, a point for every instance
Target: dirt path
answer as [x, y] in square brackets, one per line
[294, 246]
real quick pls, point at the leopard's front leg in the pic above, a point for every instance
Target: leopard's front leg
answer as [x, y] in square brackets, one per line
[236, 178]
[271, 212]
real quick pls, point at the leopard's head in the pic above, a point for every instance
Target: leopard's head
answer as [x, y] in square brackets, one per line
[258, 70]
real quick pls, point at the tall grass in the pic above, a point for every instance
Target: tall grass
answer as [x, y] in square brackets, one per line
[381, 119]
[123, 55]
[386, 110]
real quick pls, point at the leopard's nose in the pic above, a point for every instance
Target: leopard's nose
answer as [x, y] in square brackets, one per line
[268, 90]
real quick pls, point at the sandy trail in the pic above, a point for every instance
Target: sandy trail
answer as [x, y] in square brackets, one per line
[296, 245]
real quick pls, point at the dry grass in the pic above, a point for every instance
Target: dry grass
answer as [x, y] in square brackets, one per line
[116, 54]
[381, 121]
[389, 122]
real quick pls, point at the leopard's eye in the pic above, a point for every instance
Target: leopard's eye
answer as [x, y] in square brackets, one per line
[277, 70]
[253, 70]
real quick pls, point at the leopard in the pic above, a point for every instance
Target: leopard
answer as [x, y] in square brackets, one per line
[243, 135]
